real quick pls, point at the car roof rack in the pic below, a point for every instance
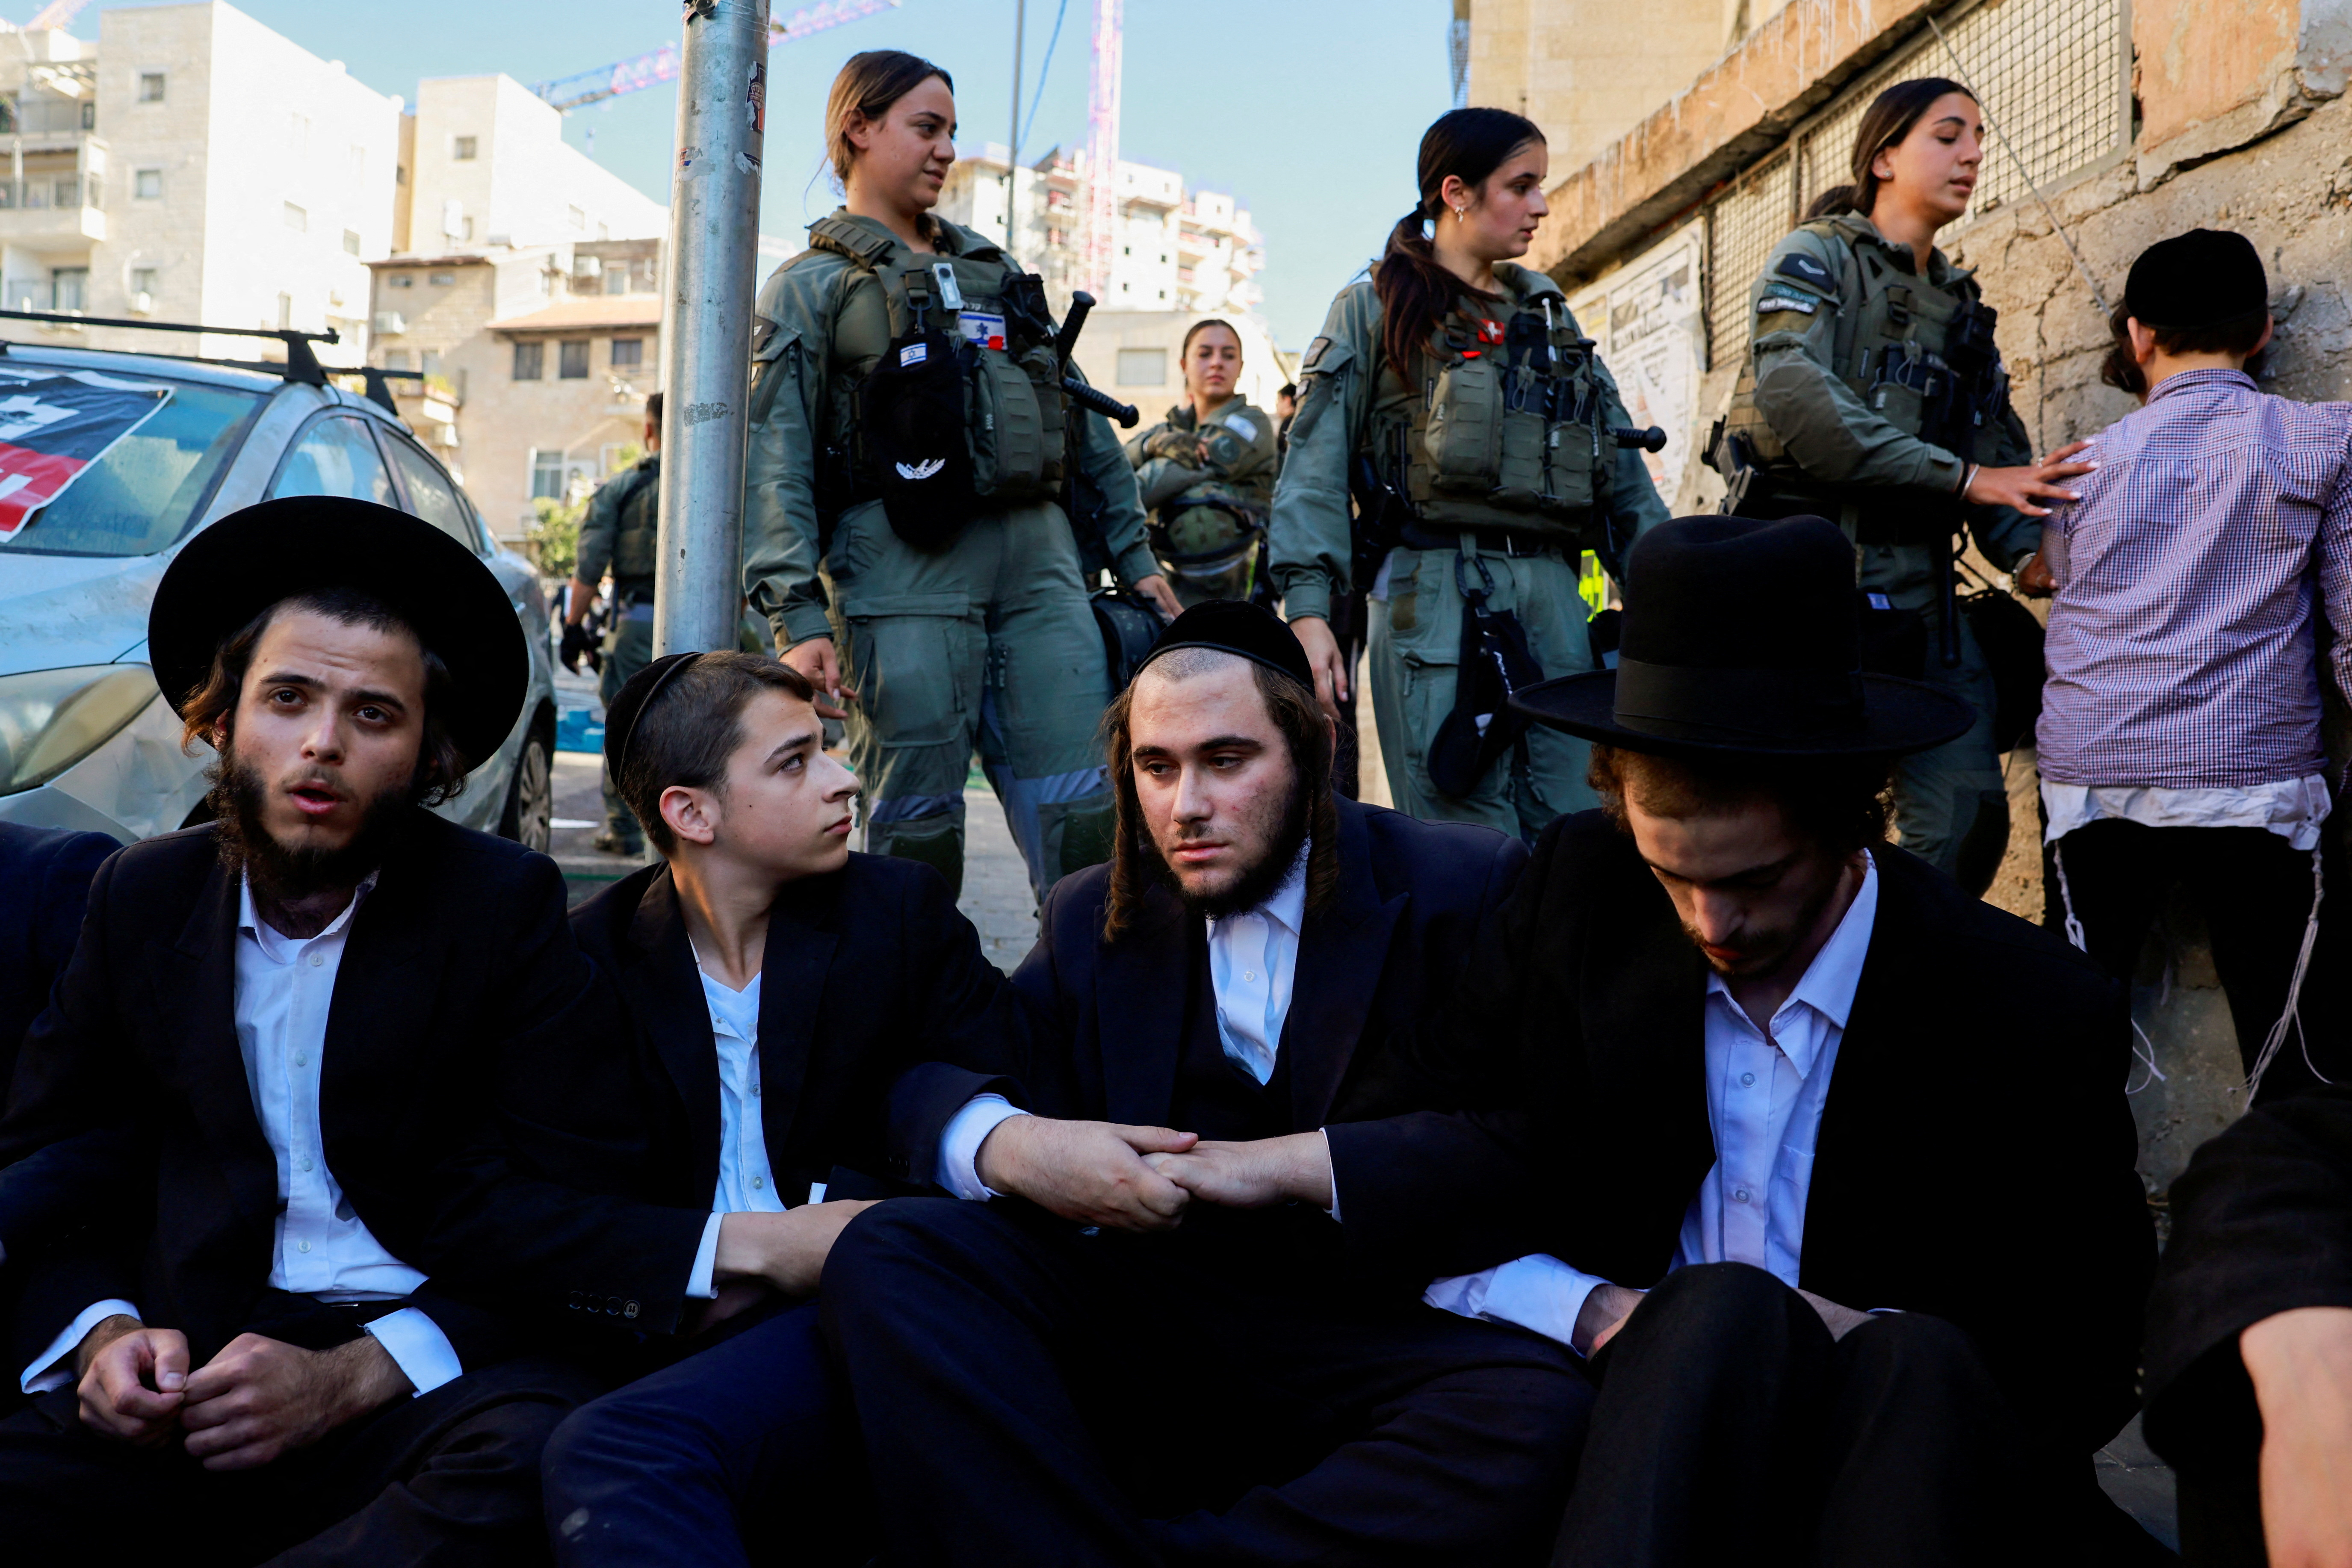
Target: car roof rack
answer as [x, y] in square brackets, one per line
[300, 363]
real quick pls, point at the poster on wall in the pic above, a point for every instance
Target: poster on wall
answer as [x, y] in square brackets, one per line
[1645, 318]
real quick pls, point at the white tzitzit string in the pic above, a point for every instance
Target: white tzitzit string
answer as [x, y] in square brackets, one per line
[2143, 1048]
[2293, 1016]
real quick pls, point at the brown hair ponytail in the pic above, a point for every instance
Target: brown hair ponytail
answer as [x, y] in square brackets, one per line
[868, 85]
[1415, 292]
[1887, 121]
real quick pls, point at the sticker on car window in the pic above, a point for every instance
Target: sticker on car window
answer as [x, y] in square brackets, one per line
[53, 429]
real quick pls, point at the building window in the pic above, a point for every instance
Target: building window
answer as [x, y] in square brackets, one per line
[147, 184]
[430, 362]
[530, 361]
[441, 279]
[403, 279]
[395, 359]
[546, 474]
[150, 87]
[143, 279]
[629, 352]
[572, 360]
[461, 148]
[90, 115]
[285, 311]
[351, 242]
[68, 288]
[400, 173]
[1143, 367]
[578, 218]
[297, 219]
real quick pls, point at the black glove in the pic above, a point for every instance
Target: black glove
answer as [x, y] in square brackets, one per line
[579, 644]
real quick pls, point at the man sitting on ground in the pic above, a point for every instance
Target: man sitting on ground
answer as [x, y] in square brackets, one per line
[773, 985]
[1035, 1381]
[1882, 1324]
[282, 1029]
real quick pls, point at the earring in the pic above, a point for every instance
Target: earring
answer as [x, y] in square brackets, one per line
[1461, 214]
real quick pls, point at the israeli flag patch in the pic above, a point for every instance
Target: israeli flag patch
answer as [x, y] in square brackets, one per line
[913, 353]
[982, 330]
[1241, 425]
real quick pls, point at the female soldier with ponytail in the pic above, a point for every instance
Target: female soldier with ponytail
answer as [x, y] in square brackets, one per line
[1453, 392]
[904, 534]
[1873, 395]
[1206, 473]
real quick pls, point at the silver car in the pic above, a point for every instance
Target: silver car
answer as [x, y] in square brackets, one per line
[86, 739]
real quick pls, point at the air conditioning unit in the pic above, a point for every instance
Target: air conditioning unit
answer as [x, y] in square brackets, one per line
[391, 323]
[142, 303]
[587, 266]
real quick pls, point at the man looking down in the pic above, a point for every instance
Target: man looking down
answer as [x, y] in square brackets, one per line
[279, 1029]
[1111, 1372]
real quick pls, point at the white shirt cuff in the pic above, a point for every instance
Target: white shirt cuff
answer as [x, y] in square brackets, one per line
[700, 1285]
[958, 1163]
[53, 1368]
[419, 1347]
[1325, 1132]
[1537, 1291]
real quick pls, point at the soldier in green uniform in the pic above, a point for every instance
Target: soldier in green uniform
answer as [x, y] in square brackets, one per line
[1873, 395]
[619, 533]
[1206, 472]
[904, 535]
[1454, 395]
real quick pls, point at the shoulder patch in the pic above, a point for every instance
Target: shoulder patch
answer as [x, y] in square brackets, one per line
[1805, 269]
[1772, 303]
[1242, 424]
[1314, 353]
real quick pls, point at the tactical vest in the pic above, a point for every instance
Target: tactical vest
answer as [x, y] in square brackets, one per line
[1508, 429]
[1921, 356]
[636, 554]
[996, 323]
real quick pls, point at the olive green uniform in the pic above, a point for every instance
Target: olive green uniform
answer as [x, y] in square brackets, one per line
[1475, 521]
[619, 533]
[1836, 304]
[1208, 489]
[986, 642]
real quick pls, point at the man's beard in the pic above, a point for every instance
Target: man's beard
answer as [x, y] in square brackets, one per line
[1259, 881]
[1770, 954]
[247, 848]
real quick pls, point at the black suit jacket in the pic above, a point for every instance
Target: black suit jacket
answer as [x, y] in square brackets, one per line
[456, 995]
[44, 877]
[1111, 1015]
[2261, 1224]
[1976, 1152]
[866, 972]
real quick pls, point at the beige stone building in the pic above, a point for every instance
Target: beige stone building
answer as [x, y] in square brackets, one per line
[194, 166]
[2113, 125]
[1135, 356]
[525, 287]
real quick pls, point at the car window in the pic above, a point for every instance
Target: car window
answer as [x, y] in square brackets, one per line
[142, 495]
[429, 491]
[335, 457]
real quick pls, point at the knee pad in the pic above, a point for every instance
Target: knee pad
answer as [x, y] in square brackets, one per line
[936, 841]
[1983, 843]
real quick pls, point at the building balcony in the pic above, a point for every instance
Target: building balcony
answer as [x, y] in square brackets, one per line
[51, 212]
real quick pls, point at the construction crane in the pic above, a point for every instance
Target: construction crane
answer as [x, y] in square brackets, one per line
[628, 76]
[1098, 233]
[57, 14]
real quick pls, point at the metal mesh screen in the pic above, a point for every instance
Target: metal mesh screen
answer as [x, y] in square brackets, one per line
[1743, 225]
[2051, 74]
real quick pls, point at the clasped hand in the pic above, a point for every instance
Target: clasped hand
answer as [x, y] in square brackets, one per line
[257, 1400]
[1142, 1178]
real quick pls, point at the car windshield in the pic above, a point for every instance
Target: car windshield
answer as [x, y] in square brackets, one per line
[139, 498]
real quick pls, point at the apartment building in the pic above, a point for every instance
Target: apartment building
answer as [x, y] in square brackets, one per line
[527, 293]
[1188, 251]
[114, 202]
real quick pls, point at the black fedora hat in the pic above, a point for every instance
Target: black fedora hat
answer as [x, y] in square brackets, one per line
[1743, 638]
[250, 559]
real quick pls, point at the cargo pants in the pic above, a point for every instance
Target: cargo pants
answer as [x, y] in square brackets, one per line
[1416, 651]
[988, 644]
[628, 649]
[1951, 806]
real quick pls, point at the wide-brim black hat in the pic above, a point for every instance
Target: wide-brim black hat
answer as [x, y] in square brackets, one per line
[250, 559]
[1743, 638]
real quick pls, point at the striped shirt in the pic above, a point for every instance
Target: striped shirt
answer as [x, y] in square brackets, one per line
[2182, 651]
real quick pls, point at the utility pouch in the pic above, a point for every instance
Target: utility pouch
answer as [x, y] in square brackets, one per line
[1008, 430]
[1464, 429]
[1496, 662]
[911, 414]
[1519, 480]
[1893, 641]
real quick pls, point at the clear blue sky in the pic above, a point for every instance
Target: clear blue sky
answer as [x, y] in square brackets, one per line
[1308, 110]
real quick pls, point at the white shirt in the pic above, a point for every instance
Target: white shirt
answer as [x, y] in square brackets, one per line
[284, 988]
[2292, 808]
[746, 1183]
[1765, 1092]
[1252, 963]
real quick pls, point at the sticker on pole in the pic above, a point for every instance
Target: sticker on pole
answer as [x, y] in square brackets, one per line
[54, 429]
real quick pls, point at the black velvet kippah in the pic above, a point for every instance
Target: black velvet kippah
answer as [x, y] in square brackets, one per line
[629, 704]
[1246, 631]
[2201, 278]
